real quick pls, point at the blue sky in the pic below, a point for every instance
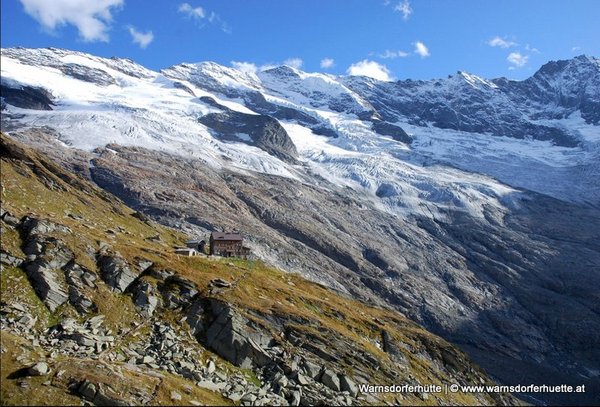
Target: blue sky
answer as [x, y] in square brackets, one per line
[388, 39]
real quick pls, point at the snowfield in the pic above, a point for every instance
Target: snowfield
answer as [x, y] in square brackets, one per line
[440, 169]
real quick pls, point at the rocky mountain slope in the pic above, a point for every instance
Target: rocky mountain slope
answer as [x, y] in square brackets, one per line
[470, 205]
[97, 308]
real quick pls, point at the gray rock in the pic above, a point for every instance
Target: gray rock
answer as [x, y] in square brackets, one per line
[33, 226]
[347, 384]
[296, 397]
[175, 396]
[95, 322]
[9, 260]
[87, 389]
[45, 282]
[116, 272]
[219, 282]
[144, 298]
[209, 385]
[39, 369]
[211, 367]
[248, 398]
[312, 370]
[265, 132]
[235, 396]
[10, 220]
[78, 276]
[303, 380]
[330, 379]
[81, 302]
[229, 334]
[102, 399]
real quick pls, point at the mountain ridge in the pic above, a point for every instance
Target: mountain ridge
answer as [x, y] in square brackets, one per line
[449, 224]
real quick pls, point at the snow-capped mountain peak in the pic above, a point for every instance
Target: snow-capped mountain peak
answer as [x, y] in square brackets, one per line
[335, 126]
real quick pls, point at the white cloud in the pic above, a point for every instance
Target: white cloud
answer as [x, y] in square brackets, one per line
[92, 18]
[293, 62]
[247, 67]
[421, 49]
[531, 49]
[371, 69]
[404, 8]
[501, 42]
[192, 12]
[214, 18]
[517, 59]
[327, 63]
[199, 14]
[140, 38]
[387, 54]
[576, 49]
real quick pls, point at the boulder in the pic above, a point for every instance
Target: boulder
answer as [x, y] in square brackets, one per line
[10, 220]
[220, 327]
[143, 297]
[87, 389]
[39, 369]
[116, 272]
[312, 370]
[295, 399]
[331, 380]
[33, 226]
[79, 276]
[176, 291]
[347, 384]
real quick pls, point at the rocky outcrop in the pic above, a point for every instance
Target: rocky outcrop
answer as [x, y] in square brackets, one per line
[96, 394]
[264, 132]
[460, 102]
[222, 329]
[144, 297]
[26, 97]
[115, 271]
[396, 132]
[46, 256]
[7, 259]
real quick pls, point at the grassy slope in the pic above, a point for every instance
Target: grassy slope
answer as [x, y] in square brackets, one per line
[32, 185]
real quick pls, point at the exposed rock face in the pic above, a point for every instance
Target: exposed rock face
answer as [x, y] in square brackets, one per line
[455, 103]
[144, 297]
[396, 132]
[463, 269]
[560, 88]
[46, 256]
[26, 97]
[264, 131]
[228, 333]
[87, 74]
[115, 271]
